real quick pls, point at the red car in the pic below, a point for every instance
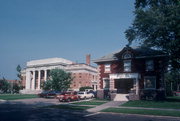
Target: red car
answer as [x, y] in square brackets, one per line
[68, 96]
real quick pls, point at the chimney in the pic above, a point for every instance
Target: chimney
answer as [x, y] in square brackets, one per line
[88, 59]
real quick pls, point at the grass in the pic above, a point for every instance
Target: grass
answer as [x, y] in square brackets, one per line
[143, 112]
[89, 103]
[170, 102]
[101, 100]
[17, 96]
[69, 107]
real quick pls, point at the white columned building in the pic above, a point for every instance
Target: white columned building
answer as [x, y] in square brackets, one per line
[37, 72]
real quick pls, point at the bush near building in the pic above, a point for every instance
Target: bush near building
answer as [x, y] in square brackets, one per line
[9, 86]
[84, 88]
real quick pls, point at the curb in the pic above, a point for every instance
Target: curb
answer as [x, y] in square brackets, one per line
[2, 100]
[140, 115]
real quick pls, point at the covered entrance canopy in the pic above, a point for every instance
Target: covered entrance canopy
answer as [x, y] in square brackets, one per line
[123, 82]
[123, 85]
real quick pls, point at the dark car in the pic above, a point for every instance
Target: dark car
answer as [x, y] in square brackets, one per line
[52, 94]
[68, 96]
[43, 94]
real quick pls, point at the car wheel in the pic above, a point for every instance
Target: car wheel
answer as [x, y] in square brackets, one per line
[68, 100]
[60, 100]
[85, 97]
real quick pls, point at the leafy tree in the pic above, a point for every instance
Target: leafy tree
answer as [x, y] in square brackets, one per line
[60, 80]
[157, 24]
[173, 80]
[18, 69]
[4, 85]
[16, 88]
[47, 85]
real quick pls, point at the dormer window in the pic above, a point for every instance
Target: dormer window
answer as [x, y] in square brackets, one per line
[127, 65]
[127, 56]
[149, 65]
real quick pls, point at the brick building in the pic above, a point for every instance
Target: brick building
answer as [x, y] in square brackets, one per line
[136, 73]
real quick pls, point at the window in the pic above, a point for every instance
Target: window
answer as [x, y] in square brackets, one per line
[127, 56]
[107, 68]
[127, 66]
[149, 65]
[106, 84]
[150, 82]
[80, 75]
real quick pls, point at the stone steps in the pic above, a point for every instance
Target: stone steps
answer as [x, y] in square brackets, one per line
[25, 91]
[121, 97]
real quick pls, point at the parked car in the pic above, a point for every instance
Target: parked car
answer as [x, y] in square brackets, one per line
[68, 96]
[43, 94]
[85, 95]
[93, 92]
[52, 94]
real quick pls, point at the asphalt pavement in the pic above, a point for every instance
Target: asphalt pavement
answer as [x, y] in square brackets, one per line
[32, 110]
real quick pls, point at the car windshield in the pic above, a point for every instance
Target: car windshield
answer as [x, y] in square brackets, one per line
[45, 92]
[80, 92]
[65, 93]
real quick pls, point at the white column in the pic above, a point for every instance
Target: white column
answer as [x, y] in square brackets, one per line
[137, 86]
[28, 79]
[39, 79]
[45, 75]
[33, 81]
[111, 84]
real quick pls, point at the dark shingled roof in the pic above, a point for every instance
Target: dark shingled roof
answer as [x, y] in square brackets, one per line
[139, 52]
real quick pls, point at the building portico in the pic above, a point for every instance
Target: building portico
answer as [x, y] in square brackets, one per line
[35, 77]
[120, 76]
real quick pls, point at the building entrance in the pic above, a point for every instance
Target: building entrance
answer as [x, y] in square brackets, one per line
[123, 85]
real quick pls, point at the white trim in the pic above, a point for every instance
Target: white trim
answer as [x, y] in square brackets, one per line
[124, 76]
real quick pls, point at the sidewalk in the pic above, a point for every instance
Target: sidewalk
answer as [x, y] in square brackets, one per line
[106, 105]
[163, 109]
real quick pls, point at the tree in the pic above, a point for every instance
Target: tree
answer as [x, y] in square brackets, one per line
[47, 85]
[16, 87]
[18, 84]
[173, 81]
[157, 24]
[18, 69]
[59, 80]
[4, 85]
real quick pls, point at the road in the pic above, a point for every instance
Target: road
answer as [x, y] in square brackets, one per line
[22, 112]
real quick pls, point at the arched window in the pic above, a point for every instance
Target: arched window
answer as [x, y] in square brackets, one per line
[127, 56]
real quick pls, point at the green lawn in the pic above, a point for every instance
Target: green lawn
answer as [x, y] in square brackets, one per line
[100, 100]
[17, 96]
[69, 107]
[143, 112]
[171, 102]
[89, 103]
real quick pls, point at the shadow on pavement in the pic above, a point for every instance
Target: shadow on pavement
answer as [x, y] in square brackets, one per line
[18, 111]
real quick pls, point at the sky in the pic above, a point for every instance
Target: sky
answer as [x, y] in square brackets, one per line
[70, 29]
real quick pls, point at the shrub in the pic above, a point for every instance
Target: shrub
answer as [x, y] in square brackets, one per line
[83, 88]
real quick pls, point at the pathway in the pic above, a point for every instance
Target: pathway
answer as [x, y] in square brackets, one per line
[106, 105]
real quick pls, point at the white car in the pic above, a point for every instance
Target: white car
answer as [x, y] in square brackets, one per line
[85, 95]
